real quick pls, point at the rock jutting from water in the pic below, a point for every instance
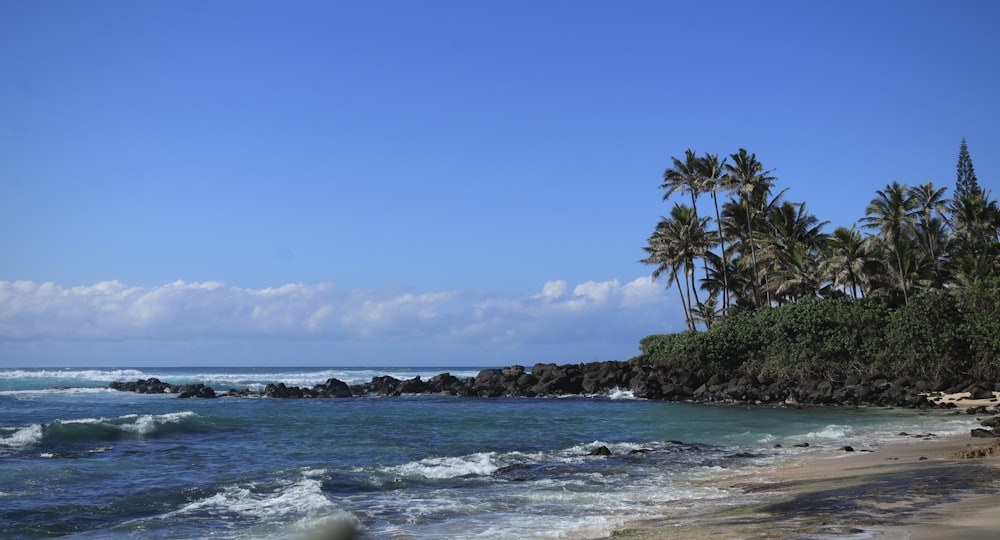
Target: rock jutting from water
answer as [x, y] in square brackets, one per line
[596, 378]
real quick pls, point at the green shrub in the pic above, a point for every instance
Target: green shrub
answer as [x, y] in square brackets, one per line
[820, 339]
[939, 334]
[683, 350]
[926, 338]
[980, 306]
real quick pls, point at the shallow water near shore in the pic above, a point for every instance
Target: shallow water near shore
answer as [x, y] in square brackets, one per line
[81, 461]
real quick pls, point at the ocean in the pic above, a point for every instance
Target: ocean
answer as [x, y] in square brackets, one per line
[80, 461]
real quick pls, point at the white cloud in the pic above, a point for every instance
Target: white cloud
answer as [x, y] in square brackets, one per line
[598, 292]
[552, 289]
[595, 311]
[642, 291]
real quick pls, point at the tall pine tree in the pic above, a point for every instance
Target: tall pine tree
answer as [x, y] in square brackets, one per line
[965, 183]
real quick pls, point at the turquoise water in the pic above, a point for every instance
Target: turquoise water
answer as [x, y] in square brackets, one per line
[80, 461]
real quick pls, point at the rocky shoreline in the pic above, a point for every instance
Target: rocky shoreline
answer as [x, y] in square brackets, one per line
[595, 378]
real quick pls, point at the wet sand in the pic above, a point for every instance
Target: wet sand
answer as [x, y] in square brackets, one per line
[920, 488]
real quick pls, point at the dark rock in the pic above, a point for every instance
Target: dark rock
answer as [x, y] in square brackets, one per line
[991, 422]
[978, 392]
[514, 371]
[412, 386]
[979, 433]
[332, 388]
[646, 381]
[555, 380]
[445, 382]
[600, 377]
[151, 385]
[525, 382]
[847, 448]
[517, 472]
[600, 451]
[281, 391]
[383, 385]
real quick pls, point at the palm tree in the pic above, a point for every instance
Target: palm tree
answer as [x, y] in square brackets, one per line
[930, 205]
[707, 312]
[795, 275]
[790, 224]
[662, 252]
[684, 176]
[969, 270]
[734, 218]
[892, 213]
[791, 244]
[714, 181]
[882, 279]
[693, 242]
[933, 237]
[975, 222]
[678, 242]
[748, 176]
[845, 260]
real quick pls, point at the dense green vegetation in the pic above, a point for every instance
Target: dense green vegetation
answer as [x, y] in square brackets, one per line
[917, 294]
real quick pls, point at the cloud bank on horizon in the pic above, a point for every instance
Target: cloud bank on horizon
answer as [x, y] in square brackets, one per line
[607, 314]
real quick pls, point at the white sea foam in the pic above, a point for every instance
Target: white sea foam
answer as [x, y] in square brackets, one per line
[40, 379]
[619, 393]
[43, 391]
[541, 507]
[301, 498]
[27, 436]
[81, 374]
[131, 423]
[448, 467]
[831, 432]
[142, 424]
[487, 463]
[583, 450]
[306, 378]
[147, 423]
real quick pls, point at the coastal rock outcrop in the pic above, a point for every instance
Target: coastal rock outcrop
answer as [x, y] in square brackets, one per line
[153, 385]
[603, 378]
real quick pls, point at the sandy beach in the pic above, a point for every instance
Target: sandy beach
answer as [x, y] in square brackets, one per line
[923, 487]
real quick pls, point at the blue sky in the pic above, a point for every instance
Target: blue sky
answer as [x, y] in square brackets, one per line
[437, 182]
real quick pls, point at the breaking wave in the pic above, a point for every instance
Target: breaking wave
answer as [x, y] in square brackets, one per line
[88, 430]
[293, 509]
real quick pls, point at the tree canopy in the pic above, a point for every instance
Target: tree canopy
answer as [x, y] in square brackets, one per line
[759, 250]
[912, 288]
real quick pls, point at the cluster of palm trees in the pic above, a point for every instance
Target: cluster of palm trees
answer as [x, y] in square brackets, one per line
[761, 250]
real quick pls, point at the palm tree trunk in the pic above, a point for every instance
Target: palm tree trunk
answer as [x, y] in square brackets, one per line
[684, 306]
[687, 287]
[694, 287]
[725, 262]
[753, 255]
[902, 280]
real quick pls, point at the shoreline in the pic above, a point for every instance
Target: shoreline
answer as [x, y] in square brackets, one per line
[917, 488]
